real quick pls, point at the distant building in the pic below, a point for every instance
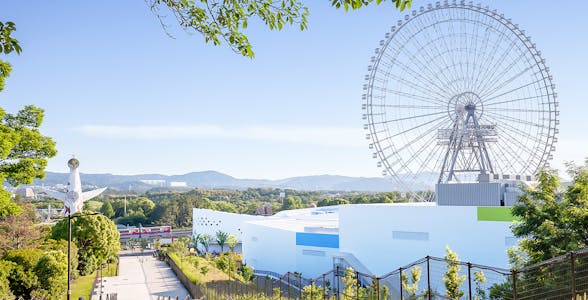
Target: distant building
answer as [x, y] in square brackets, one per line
[27, 193]
[264, 210]
[154, 182]
[178, 184]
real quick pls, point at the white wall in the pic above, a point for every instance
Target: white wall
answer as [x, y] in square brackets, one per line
[269, 249]
[211, 221]
[367, 231]
[309, 264]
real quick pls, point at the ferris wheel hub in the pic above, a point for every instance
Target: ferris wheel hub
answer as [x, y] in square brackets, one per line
[462, 103]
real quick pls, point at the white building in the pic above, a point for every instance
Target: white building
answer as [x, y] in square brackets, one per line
[372, 238]
[154, 182]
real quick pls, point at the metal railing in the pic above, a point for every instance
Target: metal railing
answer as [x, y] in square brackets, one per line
[563, 277]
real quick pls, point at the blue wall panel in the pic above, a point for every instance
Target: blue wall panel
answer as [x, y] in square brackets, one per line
[317, 240]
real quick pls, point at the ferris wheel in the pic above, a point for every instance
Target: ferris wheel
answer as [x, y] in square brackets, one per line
[456, 92]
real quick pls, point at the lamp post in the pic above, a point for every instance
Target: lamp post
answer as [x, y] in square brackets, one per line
[69, 256]
[69, 217]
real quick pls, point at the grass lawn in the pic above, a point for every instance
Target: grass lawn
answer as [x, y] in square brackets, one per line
[83, 285]
[214, 280]
[188, 265]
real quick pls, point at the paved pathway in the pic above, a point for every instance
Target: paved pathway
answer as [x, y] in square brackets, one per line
[141, 276]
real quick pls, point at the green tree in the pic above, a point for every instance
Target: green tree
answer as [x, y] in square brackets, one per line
[552, 222]
[95, 236]
[312, 292]
[232, 242]
[133, 218]
[144, 204]
[107, 209]
[52, 273]
[479, 280]
[350, 285]
[412, 288]
[452, 279]
[23, 279]
[5, 270]
[7, 45]
[291, 202]
[225, 21]
[205, 240]
[49, 244]
[224, 206]
[221, 239]
[23, 150]
[19, 231]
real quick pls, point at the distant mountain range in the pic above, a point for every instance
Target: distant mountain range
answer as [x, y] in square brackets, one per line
[217, 180]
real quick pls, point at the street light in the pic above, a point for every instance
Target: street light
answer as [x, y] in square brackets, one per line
[69, 217]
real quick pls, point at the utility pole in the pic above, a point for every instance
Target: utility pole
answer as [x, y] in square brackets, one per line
[69, 256]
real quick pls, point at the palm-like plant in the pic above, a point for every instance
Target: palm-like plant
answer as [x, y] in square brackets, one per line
[221, 239]
[232, 242]
[205, 239]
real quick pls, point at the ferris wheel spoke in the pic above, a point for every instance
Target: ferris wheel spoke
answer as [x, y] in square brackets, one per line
[493, 70]
[505, 83]
[486, 105]
[516, 130]
[426, 92]
[417, 155]
[413, 157]
[418, 85]
[423, 49]
[408, 106]
[428, 37]
[513, 153]
[490, 58]
[475, 52]
[497, 75]
[391, 61]
[484, 74]
[429, 159]
[515, 120]
[426, 77]
[522, 147]
[410, 118]
[517, 134]
[515, 89]
[522, 134]
[420, 137]
[409, 95]
[418, 126]
[506, 109]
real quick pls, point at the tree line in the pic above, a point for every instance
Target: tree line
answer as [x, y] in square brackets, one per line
[175, 208]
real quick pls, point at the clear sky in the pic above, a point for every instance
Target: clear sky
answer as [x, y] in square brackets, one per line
[127, 99]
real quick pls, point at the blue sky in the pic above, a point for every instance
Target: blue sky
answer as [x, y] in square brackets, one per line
[127, 99]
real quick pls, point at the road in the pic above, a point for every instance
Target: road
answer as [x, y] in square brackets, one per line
[141, 276]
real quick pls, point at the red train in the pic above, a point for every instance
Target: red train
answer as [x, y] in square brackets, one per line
[144, 230]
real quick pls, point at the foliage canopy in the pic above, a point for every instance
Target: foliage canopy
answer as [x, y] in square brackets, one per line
[95, 236]
[553, 222]
[223, 20]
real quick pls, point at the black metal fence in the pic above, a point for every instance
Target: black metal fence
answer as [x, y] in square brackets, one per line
[563, 277]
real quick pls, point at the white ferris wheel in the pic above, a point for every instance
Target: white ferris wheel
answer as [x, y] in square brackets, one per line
[457, 92]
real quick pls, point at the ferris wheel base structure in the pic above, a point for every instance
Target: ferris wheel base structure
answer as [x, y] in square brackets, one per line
[502, 193]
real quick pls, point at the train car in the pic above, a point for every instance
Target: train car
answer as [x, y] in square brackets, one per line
[136, 231]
